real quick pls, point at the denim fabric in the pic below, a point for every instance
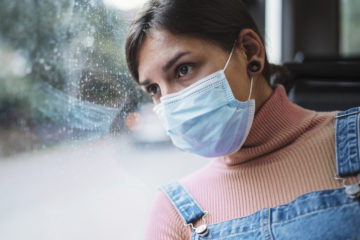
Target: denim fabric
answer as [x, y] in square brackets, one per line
[186, 205]
[347, 142]
[327, 214]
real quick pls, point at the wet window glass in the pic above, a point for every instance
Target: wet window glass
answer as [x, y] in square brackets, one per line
[81, 152]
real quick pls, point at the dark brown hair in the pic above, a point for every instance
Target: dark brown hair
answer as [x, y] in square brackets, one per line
[217, 21]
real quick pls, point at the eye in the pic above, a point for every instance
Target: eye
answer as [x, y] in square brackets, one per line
[153, 89]
[184, 70]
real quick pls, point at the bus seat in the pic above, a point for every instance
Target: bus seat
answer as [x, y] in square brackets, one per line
[326, 84]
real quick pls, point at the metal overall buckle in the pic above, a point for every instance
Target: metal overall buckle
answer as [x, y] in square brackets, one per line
[202, 230]
[353, 190]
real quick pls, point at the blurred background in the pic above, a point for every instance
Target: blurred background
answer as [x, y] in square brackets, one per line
[82, 153]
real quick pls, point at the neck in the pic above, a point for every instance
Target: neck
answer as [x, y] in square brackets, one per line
[261, 91]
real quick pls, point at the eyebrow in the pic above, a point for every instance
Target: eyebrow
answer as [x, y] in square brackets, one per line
[168, 65]
[144, 83]
[174, 60]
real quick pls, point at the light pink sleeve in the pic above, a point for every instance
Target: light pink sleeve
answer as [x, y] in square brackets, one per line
[164, 222]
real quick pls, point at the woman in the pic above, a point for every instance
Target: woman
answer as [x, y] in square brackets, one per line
[205, 65]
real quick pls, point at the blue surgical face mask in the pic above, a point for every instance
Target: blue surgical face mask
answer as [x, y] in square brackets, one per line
[205, 118]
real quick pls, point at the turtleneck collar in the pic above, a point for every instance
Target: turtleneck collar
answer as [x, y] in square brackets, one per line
[277, 123]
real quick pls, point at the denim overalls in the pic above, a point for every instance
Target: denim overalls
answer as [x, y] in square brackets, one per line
[327, 214]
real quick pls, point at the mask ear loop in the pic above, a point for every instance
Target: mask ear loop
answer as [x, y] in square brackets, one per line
[251, 86]
[231, 53]
[227, 63]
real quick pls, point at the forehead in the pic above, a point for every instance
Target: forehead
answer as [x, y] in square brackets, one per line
[162, 41]
[160, 46]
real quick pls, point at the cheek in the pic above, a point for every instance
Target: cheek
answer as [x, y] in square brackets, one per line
[156, 101]
[208, 69]
[239, 82]
[204, 69]
[171, 87]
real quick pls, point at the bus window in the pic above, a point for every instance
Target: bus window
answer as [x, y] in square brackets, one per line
[349, 28]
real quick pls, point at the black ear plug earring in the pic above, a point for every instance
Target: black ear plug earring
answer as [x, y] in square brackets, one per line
[254, 66]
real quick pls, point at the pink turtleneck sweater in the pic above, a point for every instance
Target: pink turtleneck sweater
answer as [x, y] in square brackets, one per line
[289, 151]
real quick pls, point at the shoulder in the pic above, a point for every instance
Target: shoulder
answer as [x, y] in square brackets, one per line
[322, 126]
[325, 118]
[164, 222]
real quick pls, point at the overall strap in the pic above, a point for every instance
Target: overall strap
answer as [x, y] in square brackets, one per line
[184, 203]
[347, 142]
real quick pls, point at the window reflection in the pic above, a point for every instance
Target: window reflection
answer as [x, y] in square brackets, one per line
[63, 69]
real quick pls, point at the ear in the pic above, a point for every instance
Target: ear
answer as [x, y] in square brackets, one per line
[250, 43]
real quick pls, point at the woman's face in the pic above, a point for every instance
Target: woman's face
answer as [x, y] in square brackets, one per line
[169, 63]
